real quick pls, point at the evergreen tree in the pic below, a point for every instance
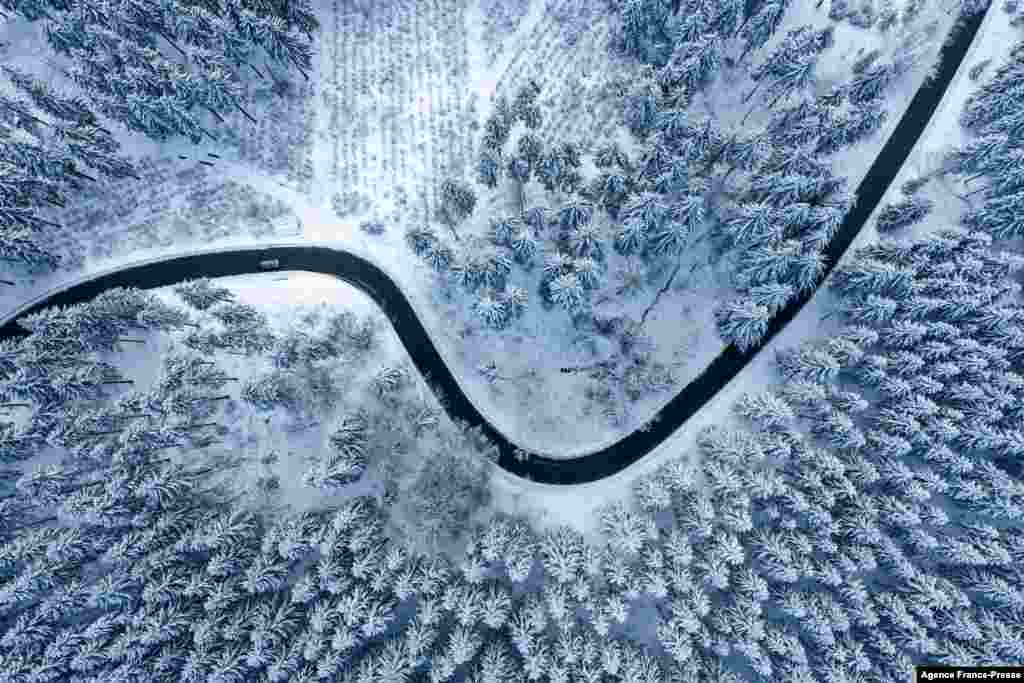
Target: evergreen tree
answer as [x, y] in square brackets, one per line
[235, 314]
[863, 121]
[270, 390]
[488, 171]
[797, 125]
[872, 83]
[693, 66]
[743, 323]
[753, 224]
[774, 296]
[588, 272]
[757, 29]
[979, 156]
[729, 15]
[863, 275]
[566, 291]
[632, 236]
[1001, 224]
[764, 409]
[457, 201]
[672, 124]
[524, 245]
[491, 309]
[202, 293]
[550, 172]
[808, 362]
[575, 215]
[786, 72]
[798, 160]
[641, 113]
[870, 309]
[768, 264]
[21, 245]
[807, 270]
[675, 180]
[643, 29]
[498, 126]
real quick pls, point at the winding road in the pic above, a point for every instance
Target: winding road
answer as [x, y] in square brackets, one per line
[383, 290]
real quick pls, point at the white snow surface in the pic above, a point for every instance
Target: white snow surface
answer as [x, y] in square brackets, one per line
[539, 408]
[312, 210]
[577, 505]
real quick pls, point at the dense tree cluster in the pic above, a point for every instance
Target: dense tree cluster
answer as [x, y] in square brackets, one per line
[49, 145]
[152, 573]
[865, 518]
[151, 66]
[994, 155]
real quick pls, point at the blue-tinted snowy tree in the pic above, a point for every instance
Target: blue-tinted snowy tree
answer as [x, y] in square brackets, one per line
[490, 308]
[640, 114]
[643, 30]
[758, 28]
[742, 322]
[567, 292]
[753, 223]
[488, 171]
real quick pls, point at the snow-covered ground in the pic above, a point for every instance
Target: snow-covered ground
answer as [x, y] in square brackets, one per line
[543, 409]
[577, 505]
[290, 300]
[427, 125]
[285, 297]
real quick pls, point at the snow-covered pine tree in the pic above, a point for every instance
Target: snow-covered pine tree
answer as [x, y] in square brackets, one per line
[490, 308]
[561, 553]
[488, 170]
[904, 214]
[767, 263]
[625, 530]
[785, 72]
[757, 29]
[270, 390]
[753, 224]
[743, 322]
[863, 275]
[566, 291]
[642, 32]
[202, 293]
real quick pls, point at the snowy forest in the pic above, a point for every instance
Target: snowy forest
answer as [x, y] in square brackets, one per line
[734, 165]
[859, 514]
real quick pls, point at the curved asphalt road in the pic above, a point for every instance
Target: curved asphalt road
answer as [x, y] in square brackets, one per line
[389, 297]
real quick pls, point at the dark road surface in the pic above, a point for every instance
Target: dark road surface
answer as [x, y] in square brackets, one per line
[388, 296]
